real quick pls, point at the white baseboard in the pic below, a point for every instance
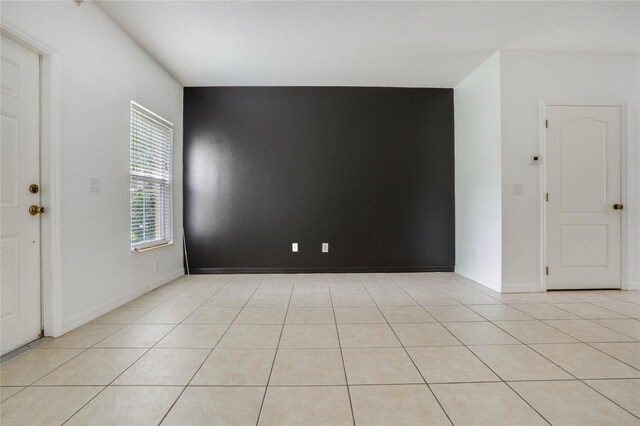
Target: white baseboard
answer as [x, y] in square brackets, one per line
[91, 314]
[472, 277]
[632, 285]
[521, 288]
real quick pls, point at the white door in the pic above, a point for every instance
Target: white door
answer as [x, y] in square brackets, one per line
[584, 204]
[20, 313]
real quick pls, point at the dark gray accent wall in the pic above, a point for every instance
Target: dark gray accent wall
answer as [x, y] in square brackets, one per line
[368, 170]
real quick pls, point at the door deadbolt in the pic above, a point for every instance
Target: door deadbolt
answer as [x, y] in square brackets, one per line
[34, 189]
[34, 210]
[618, 206]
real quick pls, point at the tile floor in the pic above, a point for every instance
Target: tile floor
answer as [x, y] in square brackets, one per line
[386, 349]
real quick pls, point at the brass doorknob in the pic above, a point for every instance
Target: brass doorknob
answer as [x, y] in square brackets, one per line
[34, 210]
[618, 206]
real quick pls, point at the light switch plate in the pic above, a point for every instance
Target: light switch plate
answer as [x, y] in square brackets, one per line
[94, 184]
[516, 189]
[294, 247]
[325, 247]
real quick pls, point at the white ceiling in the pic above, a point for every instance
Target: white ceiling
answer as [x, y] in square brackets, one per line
[429, 44]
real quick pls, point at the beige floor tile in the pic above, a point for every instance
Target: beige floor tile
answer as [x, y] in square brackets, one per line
[231, 367]
[216, 406]
[34, 364]
[485, 404]
[127, 405]
[543, 311]
[396, 405]
[136, 336]
[450, 364]
[194, 336]
[591, 296]
[476, 299]
[165, 315]
[434, 299]
[515, 298]
[354, 287]
[424, 334]
[445, 313]
[480, 333]
[352, 300]
[7, 392]
[311, 300]
[518, 362]
[379, 366]
[45, 405]
[554, 297]
[499, 312]
[82, 337]
[629, 309]
[628, 327]
[164, 367]
[587, 331]
[403, 314]
[251, 336]
[120, 316]
[309, 336]
[585, 362]
[624, 392]
[588, 310]
[534, 332]
[310, 316]
[572, 403]
[92, 367]
[207, 314]
[359, 315]
[367, 336]
[393, 299]
[316, 405]
[221, 300]
[269, 300]
[626, 352]
[308, 367]
[261, 316]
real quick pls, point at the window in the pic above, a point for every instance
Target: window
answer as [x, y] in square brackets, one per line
[150, 148]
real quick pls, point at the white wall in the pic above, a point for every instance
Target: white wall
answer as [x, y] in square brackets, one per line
[101, 70]
[528, 79]
[478, 176]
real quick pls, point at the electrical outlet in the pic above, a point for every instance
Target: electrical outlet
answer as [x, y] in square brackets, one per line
[294, 247]
[325, 247]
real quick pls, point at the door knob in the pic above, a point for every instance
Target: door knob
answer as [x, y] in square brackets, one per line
[618, 206]
[34, 210]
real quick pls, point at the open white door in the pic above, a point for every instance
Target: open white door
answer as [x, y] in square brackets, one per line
[20, 311]
[584, 204]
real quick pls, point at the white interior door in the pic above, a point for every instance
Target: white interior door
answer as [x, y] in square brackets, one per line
[584, 201]
[20, 302]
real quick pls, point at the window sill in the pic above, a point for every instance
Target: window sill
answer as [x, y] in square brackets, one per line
[148, 248]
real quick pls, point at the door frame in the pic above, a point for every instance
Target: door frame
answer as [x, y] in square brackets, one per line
[624, 242]
[50, 171]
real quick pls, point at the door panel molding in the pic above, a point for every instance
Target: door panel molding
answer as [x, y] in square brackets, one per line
[545, 107]
[50, 173]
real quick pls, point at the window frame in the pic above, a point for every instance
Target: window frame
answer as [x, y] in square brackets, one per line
[168, 239]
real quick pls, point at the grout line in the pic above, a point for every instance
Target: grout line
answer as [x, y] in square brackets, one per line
[409, 356]
[344, 367]
[275, 355]
[142, 355]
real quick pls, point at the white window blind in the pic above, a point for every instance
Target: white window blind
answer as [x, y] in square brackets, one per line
[150, 148]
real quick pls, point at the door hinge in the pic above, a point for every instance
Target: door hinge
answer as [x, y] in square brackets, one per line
[546, 124]
[546, 271]
[547, 197]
